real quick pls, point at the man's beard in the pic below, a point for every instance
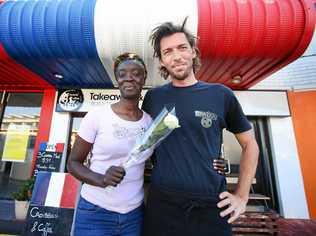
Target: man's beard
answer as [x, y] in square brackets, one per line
[182, 75]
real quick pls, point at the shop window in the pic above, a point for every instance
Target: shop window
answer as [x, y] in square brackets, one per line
[18, 131]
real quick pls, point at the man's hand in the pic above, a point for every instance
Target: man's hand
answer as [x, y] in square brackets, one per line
[235, 205]
[113, 176]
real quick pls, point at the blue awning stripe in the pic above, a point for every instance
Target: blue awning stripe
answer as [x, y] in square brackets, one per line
[54, 37]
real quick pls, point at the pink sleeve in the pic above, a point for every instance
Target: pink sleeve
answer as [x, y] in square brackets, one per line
[88, 127]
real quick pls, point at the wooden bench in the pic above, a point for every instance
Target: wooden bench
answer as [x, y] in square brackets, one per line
[256, 223]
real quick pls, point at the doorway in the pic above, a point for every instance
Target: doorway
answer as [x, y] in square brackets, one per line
[263, 190]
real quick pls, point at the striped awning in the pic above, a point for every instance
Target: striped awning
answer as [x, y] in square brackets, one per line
[72, 43]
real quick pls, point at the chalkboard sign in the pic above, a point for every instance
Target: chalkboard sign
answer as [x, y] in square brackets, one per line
[45, 221]
[47, 161]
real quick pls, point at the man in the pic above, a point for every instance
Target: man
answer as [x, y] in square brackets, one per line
[187, 196]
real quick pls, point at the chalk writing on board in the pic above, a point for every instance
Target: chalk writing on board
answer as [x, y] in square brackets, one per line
[47, 161]
[48, 221]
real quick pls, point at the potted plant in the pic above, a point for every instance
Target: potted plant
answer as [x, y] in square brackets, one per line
[22, 197]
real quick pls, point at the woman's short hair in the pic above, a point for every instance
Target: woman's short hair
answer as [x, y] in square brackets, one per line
[128, 56]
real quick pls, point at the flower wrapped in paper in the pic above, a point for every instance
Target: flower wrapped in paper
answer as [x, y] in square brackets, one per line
[161, 127]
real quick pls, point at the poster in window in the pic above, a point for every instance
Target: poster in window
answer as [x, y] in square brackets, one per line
[15, 145]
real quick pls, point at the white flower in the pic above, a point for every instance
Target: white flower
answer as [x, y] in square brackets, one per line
[171, 121]
[160, 128]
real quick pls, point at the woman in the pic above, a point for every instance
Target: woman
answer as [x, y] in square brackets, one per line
[110, 131]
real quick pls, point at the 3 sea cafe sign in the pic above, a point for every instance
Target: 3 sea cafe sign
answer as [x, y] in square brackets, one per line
[82, 100]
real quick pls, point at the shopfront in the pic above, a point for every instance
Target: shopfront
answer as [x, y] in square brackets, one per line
[51, 66]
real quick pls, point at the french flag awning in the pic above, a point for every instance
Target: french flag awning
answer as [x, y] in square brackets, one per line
[54, 189]
[72, 43]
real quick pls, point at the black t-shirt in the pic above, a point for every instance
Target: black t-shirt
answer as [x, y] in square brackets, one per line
[183, 161]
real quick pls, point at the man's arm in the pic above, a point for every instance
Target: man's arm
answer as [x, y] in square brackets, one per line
[237, 201]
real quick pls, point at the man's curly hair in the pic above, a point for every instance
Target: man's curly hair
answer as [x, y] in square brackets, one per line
[167, 29]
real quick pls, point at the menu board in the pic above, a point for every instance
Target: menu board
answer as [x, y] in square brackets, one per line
[47, 161]
[43, 220]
